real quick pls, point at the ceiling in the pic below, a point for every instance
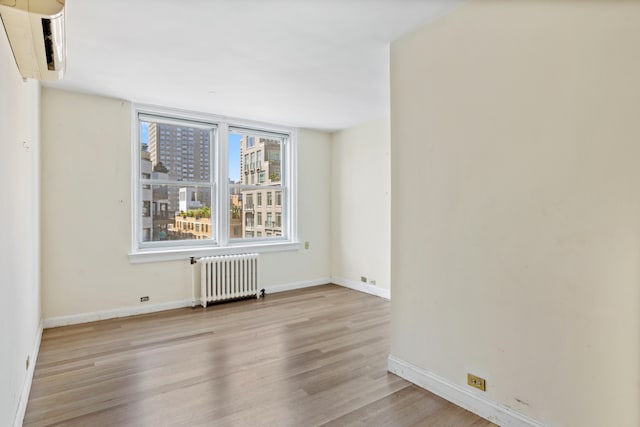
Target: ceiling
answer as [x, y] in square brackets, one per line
[305, 63]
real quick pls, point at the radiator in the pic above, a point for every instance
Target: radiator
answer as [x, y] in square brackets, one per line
[228, 277]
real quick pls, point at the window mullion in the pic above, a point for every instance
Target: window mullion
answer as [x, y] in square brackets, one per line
[222, 212]
[290, 212]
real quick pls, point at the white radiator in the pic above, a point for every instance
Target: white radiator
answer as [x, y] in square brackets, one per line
[228, 277]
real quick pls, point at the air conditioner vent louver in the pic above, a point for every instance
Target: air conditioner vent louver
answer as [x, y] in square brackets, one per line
[48, 43]
[36, 32]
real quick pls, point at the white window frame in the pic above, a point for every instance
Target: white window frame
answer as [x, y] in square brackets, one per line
[219, 173]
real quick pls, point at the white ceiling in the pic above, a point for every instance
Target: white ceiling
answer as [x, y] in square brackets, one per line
[305, 63]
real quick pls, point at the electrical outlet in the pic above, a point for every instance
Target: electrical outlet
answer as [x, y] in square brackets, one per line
[27, 368]
[306, 245]
[144, 299]
[363, 279]
[372, 282]
[477, 382]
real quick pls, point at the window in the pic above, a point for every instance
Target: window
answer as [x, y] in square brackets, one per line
[197, 177]
[168, 185]
[257, 175]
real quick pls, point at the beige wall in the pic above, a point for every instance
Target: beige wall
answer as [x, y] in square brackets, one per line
[360, 203]
[20, 219]
[515, 214]
[87, 213]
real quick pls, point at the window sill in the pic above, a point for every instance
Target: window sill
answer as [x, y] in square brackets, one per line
[173, 254]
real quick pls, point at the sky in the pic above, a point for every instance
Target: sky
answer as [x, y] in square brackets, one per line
[144, 131]
[234, 156]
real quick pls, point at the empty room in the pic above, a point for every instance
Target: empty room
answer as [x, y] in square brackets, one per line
[320, 213]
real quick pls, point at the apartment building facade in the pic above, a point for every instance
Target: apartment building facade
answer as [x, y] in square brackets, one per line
[183, 152]
[260, 160]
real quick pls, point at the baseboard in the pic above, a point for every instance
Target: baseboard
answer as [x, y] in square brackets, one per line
[362, 287]
[74, 319]
[28, 379]
[467, 399]
[270, 289]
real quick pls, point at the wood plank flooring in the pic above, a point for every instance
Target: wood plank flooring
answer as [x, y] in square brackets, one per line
[310, 357]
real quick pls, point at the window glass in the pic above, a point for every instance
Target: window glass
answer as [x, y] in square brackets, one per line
[169, 155]
[255, 173]
[175, 180]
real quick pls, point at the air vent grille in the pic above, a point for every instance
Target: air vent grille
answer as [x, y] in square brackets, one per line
[48, 43]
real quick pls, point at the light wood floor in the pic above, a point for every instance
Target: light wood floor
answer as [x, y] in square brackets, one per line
[310, 357]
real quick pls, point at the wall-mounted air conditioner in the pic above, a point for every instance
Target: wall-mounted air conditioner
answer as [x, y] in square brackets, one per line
[36, 32]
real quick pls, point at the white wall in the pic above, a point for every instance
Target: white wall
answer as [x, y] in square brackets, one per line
[314, 220]
[360, 203]
[19, 244]
[87, 213]
[515, 205]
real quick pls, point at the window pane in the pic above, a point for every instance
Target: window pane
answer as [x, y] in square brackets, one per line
[176, 153]
[176, 213]
[254, 160]
[250, 218]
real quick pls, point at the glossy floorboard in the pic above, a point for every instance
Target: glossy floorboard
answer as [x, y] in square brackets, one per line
[310, 357]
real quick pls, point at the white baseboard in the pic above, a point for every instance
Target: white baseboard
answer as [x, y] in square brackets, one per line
[74, 319]
[467, 399]
[362, 287]
[28, 379]
[270, 289]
